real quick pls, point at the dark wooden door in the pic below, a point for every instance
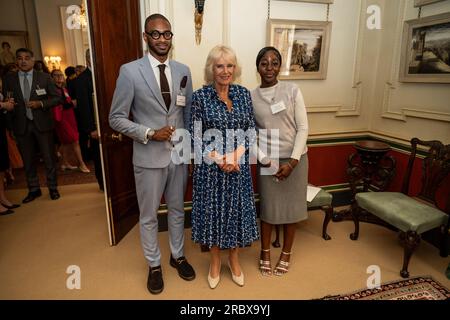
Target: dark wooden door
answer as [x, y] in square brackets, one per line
[115, 39]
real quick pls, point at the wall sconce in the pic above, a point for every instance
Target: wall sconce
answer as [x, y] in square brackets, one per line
[53, 62]
[198, 19]
[77, 18]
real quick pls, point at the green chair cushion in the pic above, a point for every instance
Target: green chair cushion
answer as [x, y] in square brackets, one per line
[401, 211]
[323, 198]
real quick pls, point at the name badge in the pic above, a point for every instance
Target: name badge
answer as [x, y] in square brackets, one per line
[41, 92]
[278, 107]
[181, 100]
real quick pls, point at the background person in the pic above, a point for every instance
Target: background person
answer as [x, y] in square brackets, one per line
[5, 205]
[82, 91]
[32, 121]
[66, 125]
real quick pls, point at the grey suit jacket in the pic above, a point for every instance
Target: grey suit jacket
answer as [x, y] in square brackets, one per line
[137, 94]
[42, 117]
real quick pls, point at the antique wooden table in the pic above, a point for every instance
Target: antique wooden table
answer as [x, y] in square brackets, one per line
[369, 168]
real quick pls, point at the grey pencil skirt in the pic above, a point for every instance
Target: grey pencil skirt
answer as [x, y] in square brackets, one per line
[284, 202]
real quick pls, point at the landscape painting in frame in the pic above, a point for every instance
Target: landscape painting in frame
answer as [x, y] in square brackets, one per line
[426, 50]
[317, 1]
[421, 3]
[304, 47]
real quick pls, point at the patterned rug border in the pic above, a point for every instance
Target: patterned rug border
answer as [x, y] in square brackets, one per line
[365, 294]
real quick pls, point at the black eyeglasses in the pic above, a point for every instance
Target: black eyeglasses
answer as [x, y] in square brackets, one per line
[155, 34]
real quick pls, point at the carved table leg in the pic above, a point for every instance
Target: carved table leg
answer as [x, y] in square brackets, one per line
[355, 211]
[328, 215]
[276, 243]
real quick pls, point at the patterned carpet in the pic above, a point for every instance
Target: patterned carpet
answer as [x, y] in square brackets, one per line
[417, 288]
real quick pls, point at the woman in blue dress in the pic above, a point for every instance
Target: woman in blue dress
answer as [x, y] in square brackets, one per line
[223, 129]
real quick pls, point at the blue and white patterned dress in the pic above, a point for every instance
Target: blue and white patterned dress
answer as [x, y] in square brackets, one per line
[223, 208]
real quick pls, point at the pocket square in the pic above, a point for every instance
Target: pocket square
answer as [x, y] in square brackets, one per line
[183, 82]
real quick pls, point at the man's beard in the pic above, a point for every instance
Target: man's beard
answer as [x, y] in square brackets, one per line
[158, 53]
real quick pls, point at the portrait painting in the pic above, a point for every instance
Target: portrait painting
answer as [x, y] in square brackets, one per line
[11, 41]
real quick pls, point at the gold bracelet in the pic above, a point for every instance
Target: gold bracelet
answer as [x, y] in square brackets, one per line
[290, 166]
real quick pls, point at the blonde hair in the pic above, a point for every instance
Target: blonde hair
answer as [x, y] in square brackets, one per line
[215, 54]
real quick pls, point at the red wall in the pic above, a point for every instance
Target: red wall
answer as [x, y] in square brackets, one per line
[328, 164]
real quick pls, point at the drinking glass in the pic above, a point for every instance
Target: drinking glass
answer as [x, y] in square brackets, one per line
[171, 122]
[9, 95]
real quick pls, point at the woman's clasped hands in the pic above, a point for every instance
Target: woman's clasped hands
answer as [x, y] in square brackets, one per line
[228, 162]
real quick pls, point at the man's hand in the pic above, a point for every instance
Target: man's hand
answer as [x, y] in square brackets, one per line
[164, 134]
[7, 105]
[34, 104]
[94, 135]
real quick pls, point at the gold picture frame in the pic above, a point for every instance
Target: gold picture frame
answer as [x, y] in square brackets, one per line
[304, 46]
[322, 1]
[425, 55]
[421, 3]
[16, 40]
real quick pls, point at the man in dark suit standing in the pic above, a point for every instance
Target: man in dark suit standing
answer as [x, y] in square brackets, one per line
[82, 92]
[32, 121]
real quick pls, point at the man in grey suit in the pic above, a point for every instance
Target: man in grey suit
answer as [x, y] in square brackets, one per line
[32, 121]
[157, 92]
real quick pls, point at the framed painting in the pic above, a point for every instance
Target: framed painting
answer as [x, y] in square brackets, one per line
[11, 41]
[425, 55]
[304, 47]
[421, 3]
[321, 1]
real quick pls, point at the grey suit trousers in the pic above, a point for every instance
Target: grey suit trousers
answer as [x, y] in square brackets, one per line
[151, 184]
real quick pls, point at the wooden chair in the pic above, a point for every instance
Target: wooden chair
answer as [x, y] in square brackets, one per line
[322, 201]
[412, 216]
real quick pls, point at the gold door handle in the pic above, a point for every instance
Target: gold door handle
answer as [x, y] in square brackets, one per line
[116, 136]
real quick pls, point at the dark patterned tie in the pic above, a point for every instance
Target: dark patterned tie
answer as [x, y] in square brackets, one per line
[165, 89]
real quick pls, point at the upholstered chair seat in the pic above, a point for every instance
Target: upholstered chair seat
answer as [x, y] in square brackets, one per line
[323, 198]
[401, 211]
[413, 214]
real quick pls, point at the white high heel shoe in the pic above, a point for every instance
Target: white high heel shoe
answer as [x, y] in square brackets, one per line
[213, 282]
[239, 280]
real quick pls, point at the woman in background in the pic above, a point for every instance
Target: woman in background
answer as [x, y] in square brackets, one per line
[15, 159]
[66, 125]
[5, 205]
[40, 66]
